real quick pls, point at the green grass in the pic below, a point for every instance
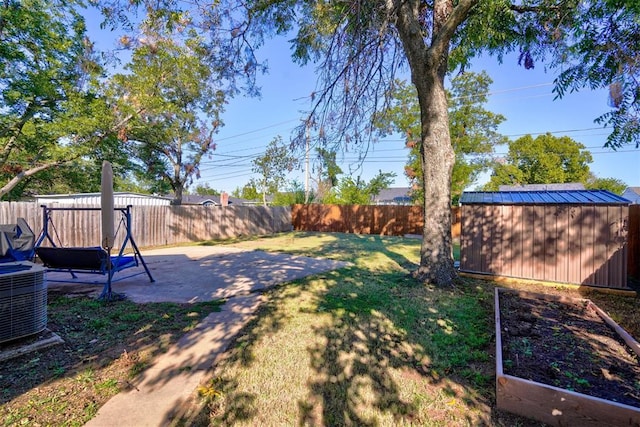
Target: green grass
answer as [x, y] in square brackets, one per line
[363, 345]
[367, 344]
[106, 344]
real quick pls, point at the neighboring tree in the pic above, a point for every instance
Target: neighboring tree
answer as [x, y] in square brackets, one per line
[272, 168]
[294, 194]
[473, 130]
[358, 191]
[247, 192]
[328, 171]
[170, 93]
[205, 190]
[601, 50]
[52, 112]
[545, 159]
[613, 185]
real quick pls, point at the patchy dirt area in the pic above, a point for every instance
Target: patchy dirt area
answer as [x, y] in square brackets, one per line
[569, 346]
[106, 345]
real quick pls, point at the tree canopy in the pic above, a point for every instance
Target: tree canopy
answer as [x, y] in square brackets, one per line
[473, 130]
[328, 170]
[544, 159]
[62, 114]
[272, 167]
[350, 191]
[613, 185]
[173, 103]
[53, 111]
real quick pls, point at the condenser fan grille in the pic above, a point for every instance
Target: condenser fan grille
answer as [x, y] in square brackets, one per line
[23, 303]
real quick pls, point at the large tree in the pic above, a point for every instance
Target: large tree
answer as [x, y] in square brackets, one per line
[52, 112]
[360, 45]
[188, 60]
[172, 96]
[545, 159]
[473, 130]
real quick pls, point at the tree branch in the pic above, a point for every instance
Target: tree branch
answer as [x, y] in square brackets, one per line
[444, 33]
[29, 172]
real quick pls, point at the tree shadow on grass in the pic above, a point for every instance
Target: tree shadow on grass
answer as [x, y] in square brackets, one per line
[353, 372]
[392, 351]
[383, 350]
[377, 347]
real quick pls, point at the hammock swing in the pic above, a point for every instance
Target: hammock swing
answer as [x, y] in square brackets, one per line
[88, 260]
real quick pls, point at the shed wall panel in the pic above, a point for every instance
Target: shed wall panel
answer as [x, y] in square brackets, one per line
[517, 255]
[550, 261]
[562, 244]
[507, 241]
[539, 242]
[528, 248]
[495, 239]
[601, 238]
[588, 243]
[633, 242]
[477, 238]
[581, 244]
[574, 254]
[485, 236]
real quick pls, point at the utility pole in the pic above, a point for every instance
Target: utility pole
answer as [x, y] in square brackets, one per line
[306, 168]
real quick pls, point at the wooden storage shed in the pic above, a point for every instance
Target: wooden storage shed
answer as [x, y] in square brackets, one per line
[577, 236]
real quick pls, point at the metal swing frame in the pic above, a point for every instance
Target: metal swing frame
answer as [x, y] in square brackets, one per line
[88, 260]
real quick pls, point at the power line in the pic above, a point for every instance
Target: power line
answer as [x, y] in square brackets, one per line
[256, 130]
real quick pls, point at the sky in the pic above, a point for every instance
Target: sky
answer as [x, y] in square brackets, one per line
[524, 97]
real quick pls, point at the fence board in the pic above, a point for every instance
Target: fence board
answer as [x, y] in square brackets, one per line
[388, 220]
[154, 225]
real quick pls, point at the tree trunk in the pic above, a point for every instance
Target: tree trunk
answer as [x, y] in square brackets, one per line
[428, 68]
[437, 159]
[177, 197]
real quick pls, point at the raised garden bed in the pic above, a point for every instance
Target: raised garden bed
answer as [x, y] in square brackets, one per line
[563, 361]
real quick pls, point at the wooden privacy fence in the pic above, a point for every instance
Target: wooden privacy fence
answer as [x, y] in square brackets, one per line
[389, 220]
[154, 225]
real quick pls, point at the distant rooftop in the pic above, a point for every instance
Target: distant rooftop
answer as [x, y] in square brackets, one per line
[195, 199]
[573, 197]
[633, 194]
[393, 196]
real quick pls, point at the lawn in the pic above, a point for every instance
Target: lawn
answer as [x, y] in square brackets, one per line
[367, 345]
[362, 345]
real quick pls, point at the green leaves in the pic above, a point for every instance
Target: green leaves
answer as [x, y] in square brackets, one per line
[545, 159]
[357, 191]
[174, 104]
[473, 129]
[51, 111]
[272, 167]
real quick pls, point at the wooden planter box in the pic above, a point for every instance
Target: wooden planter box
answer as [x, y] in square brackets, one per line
[553, 405]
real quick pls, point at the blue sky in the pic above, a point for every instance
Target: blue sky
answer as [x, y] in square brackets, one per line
[524, 97]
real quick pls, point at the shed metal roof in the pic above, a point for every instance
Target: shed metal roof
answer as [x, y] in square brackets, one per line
[571, 197]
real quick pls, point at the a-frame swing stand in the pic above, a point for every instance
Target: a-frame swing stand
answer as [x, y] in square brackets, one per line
[89, 260]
